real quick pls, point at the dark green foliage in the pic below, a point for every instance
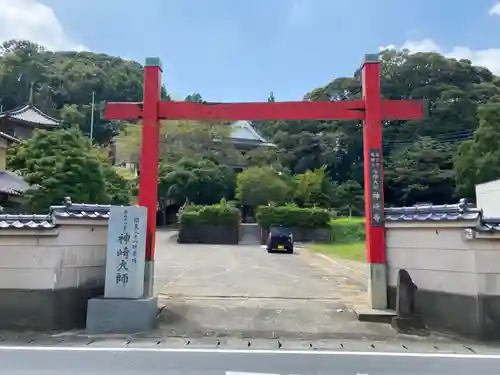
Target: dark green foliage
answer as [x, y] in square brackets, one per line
[64, 82]
[59, 164]
[292, 216]
[347, 230]
[221, 214]
[198, 181]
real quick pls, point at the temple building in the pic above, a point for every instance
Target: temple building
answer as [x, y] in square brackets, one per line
[16, 126]
[244, 136]
[20, 123]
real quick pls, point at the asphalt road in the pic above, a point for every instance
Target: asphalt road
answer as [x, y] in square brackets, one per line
[145, 361]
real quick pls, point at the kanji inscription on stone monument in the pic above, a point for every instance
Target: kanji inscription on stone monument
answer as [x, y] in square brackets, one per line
[125, 257]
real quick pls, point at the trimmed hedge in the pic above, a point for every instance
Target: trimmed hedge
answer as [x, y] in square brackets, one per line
[221, 214]
[292, 216]
[347, 229]
[214, 224]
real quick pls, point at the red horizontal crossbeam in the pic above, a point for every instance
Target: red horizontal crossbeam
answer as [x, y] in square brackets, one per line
[314, 110]
[123, 111]
[343, 110]
[403, 109]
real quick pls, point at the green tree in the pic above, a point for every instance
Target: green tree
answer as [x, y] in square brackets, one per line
[257, 186]
[347, 198]
[311, 188]
[63, 83]
[58, 164]
[478, 160]
[198, 181]
[421, 172]
[454, 89]
[184, 139]
[195, 97]
[263, 156]
[118, 188]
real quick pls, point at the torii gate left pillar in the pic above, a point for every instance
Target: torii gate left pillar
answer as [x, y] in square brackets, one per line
[371, 109]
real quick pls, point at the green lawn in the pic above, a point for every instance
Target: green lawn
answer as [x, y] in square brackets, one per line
[352, 251]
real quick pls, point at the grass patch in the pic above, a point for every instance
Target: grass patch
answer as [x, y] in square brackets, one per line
[347, 230]
[352, 251]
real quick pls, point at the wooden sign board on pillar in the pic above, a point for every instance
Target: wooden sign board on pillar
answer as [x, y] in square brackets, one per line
[126, 250]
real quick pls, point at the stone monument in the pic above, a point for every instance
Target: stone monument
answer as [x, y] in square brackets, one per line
[126, 306]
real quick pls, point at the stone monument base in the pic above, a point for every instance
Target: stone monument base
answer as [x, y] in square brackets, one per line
[119, 315]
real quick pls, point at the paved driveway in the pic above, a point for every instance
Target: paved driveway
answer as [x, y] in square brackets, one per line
[246, 271]
[244, 291]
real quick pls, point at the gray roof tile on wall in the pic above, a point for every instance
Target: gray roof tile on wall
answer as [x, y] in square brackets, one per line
[80, 211]
[461, 211]
[67, 211]
[428, 212]
[489, 225]
[26, 222]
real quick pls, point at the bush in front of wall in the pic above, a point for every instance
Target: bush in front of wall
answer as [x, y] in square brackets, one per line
[308, 224]
[210, 224]
[293, 216]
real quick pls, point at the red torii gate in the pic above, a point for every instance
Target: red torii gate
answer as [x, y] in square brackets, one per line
[371, 109]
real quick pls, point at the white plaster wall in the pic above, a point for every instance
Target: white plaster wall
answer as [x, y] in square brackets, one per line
[70, 256]
[488, 198]
[442, 258]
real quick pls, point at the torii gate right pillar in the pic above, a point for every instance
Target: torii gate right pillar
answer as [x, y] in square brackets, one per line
[373, 183]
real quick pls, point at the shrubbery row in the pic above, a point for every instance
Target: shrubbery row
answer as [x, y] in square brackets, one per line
[227, 214]
[219, 214]
[293, 216]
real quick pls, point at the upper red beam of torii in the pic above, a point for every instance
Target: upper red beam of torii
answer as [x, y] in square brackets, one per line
[371, 109]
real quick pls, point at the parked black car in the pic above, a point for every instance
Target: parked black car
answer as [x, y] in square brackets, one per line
[280, 239]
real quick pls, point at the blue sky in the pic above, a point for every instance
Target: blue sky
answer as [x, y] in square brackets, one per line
[241, 50]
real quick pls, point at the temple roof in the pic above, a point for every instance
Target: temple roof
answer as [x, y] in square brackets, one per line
[244, 132]
[31, 115]
[12, 184]
[9, 137]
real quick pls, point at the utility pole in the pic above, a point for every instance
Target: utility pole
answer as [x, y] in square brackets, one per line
[30, 97]
[92, 117]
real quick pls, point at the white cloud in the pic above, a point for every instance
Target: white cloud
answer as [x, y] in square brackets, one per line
[31, 20]
[495, 10]
[489, 58]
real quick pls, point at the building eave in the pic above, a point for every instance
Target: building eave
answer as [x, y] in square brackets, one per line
[14, 113]
[9, 137]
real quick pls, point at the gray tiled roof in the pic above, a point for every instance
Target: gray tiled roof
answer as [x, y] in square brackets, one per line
[12, 184]
[26, 222]
[447, 212]
[244, 132]
[80, 211]
[67, 211]
[489, 225]
[31, 114]
[9, 137]
[462, 211]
